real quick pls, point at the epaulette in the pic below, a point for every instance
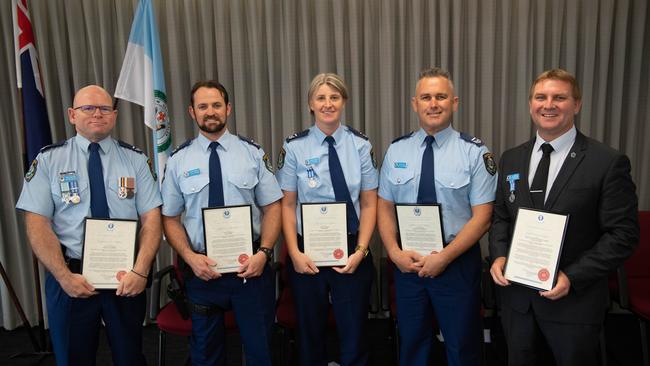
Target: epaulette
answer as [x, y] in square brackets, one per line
[52, 146]
[297, 135]
[181, 147]
[250, 141]
[402, 137]
[469, 138]
[129, 146]
[357, 133]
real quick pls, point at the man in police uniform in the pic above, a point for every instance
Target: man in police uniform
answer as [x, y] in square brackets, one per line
[458, 173]
[91, 175]
[215, 169]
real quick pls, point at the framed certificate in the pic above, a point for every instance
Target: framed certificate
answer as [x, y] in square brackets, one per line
[535, 248]
[325, 233]
[109, 250]
[228, 236]
[420, 227]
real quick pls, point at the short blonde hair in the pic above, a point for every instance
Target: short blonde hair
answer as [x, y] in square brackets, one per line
[557, 74]
[330, 79]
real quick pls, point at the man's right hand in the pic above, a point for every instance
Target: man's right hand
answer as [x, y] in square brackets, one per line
[497, 271]
[76, 285]
[405, 260]
[202, 266]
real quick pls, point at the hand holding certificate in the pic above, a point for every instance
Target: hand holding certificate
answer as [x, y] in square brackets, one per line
[534, 253]
[228, 235]
[108, 251]
[324, 233]
[420, 227]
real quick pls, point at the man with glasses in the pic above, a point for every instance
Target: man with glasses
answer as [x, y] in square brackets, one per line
[91, 175]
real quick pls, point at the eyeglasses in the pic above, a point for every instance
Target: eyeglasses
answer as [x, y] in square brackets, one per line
[90, 109]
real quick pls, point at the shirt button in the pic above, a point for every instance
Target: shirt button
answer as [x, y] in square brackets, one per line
[193, 189]
[245, 184]
[452, 184]
[399, 180]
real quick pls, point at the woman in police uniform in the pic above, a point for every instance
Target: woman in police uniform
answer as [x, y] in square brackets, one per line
[330, 162]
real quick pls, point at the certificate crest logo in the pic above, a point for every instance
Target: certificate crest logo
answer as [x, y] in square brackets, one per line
[417, 211]
[323, 210]
[338, 254]
[543, 275]
[110, 226]
[540, 218]
[242, 258]
[226, 214]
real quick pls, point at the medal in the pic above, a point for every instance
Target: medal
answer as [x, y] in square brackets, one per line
[312, 178]
[512, 197]
[512, 179]
[127, 188]
[69, 184]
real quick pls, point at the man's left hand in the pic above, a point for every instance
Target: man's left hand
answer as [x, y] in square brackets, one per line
[432, 265]
[131, 285]
[561, 288]
[253, 267]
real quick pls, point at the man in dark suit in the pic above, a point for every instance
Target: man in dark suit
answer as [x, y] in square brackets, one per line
[562, 171]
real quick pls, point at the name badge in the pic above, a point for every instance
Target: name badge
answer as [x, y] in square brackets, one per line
[312, 161]
[400, 165]
[127, 188]
[69, 182]
[191, 173]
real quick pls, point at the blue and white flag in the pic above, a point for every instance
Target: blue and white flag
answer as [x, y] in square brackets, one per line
[142, 80]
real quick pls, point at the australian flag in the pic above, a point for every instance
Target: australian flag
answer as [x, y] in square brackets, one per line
[36, 125]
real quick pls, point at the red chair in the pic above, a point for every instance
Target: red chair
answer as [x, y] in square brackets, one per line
[168, 318]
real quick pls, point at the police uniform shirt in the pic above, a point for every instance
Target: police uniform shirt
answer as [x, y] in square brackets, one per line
[246, 176]
[306, 159]
[44, 192]
[464, 175]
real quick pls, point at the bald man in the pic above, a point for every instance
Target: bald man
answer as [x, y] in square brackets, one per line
[91, 175]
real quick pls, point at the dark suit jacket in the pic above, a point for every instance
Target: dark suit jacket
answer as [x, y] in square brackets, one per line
[595, 188]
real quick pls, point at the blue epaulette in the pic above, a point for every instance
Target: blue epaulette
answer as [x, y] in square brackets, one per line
[297, 135]
[181, 147]
[469, 138]
[402, 137]
[129, 146]
[357, 133]
[250, 141]
[52, 146]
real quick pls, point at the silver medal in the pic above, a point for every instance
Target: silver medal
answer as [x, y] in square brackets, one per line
[312, 182]
[512, 197]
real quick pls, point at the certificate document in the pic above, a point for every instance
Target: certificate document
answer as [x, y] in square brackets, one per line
[325, 233]
[228, 236]
[420, 227]
[535, 249]
[108, 251]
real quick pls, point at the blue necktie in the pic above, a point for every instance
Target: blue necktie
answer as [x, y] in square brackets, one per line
[98, 204]
[341, 191]
[216, 185]
[427, 189]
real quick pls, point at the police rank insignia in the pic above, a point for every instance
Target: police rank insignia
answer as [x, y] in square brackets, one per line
[69, 183]
[32, 170]
[151, 169]
[281, 158]
[267, 162]
[490, 165]
[126, 188]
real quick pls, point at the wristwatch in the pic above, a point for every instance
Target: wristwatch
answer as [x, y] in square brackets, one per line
[362, 249]
[268, 252]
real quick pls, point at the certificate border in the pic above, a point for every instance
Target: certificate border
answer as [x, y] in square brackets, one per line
[302, 223]
[557, 263]
[205, 239]
[136, 247]
[442, 226]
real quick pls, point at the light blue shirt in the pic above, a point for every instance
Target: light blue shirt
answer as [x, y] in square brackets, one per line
[461, 175]
[245, 176]
[43, 192]
[306, 158]
[561, 147]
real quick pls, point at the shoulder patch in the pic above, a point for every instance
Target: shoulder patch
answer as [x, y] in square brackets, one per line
[181, 147]
[250, 141]
[283, 153]
[297, 135]
[129, 146]
[357, 133]
[490, 164]
[51, 146]
[469, 138]
[402, 137]
[32, 171]
[151, 169]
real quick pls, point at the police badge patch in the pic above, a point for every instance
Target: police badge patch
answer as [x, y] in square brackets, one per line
[281, 158]
[267, 162]
[32, 170]
[151, 169]
[490, 165]
[372, 157]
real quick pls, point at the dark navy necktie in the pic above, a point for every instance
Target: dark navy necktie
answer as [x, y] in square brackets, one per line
[341, 191]
[538, 187]
[427, 189]
[216, 185]
[98, 203]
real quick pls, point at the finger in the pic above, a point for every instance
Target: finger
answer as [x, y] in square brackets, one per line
[312, 266]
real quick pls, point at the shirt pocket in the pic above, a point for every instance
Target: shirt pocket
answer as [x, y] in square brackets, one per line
[190, 188]
[244, 183]
[57, 195]
[453, 183]
[121, 208]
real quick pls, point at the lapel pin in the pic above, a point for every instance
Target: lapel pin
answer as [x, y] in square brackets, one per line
[573, 154]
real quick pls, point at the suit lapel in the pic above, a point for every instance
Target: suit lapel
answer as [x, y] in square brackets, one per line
[524, 193]
[571, 162]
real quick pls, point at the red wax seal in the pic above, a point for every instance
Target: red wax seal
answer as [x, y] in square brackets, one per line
[119, 275]
[242, 258]
[338, 254]
[543, 274]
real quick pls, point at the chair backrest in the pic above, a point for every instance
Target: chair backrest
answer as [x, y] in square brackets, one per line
[638, 265]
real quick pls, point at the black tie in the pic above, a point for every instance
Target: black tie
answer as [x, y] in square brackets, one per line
[341, 191]
[98, 204]
[427, 189]
[538, 187]
[216, 185]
